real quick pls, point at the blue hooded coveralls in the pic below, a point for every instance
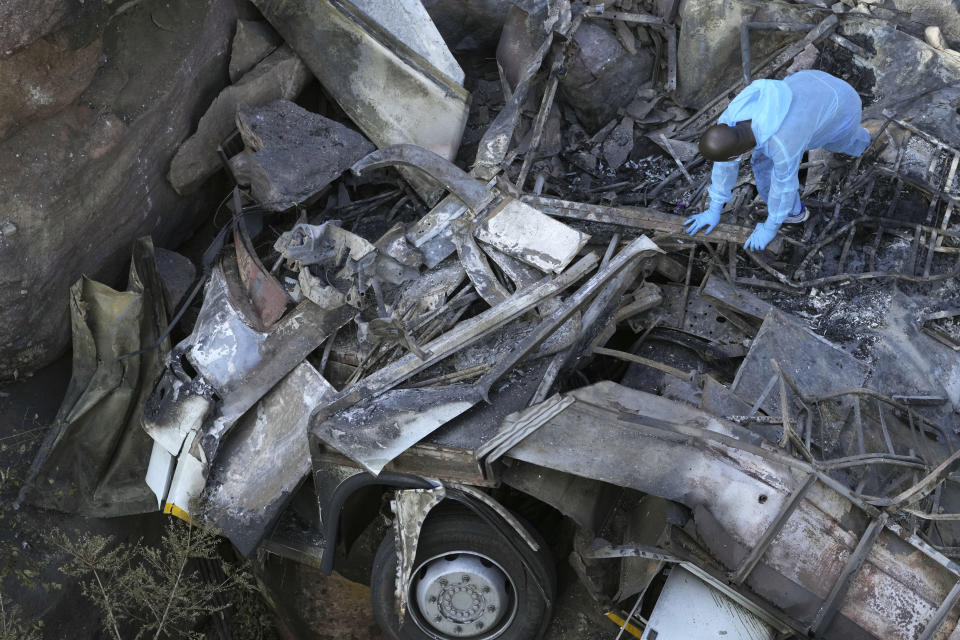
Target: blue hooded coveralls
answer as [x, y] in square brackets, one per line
[805, 110]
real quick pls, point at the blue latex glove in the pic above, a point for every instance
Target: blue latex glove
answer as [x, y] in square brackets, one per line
[760, 237]
[708, 219]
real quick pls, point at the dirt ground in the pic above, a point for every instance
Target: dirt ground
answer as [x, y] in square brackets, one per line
[336, 608]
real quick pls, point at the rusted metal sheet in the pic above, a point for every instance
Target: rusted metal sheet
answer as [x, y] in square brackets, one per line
[241, 363]
[737, 491]
[267, 295]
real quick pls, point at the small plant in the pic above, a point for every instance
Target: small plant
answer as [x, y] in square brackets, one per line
[144, 591]
[12, 626]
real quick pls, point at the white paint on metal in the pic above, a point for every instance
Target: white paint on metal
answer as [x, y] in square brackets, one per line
[160, 472]
[410, 23]
[529, 235]
[690, 608]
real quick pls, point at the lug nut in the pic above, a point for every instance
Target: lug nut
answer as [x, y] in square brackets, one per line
[437, 619]
[458, 629]
[433, 598]
[443, 582]
[479, 625]
[465, 579]
[491, 608]
[485, 589]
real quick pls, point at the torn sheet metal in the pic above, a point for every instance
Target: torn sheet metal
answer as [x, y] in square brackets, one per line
[241, 363]
[520, 274]
[463, 335]
[264, 459]
[394, 243]
[160, 472]
[91, 461]
[393, 94]
[411, 508]
[431, 234]
[325, 296]
[175, 412]
[699, 317]
[737, 491]
[432, 289]
[478, 269]
[376, 431]
[326, 244]
[344, 263]
[524, 233]
[267, 296]
[741, 301]
[815, 365]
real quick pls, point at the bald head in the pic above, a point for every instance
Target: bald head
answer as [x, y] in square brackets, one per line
[721, 142]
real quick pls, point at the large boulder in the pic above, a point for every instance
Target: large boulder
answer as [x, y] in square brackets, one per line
[602, 76]
[23, 21]
[280, 76]
[708, 50]
[78, 186]
[900, 71]
[42, 79]
[941, 13]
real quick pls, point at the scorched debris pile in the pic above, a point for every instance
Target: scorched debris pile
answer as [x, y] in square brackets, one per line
[449, 292]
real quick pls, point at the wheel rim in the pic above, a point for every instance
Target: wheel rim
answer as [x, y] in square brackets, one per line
[462, 594]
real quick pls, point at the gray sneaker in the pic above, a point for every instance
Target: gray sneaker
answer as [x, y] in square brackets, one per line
[800, 216]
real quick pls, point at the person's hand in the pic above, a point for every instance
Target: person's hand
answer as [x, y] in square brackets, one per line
[760, 238]
[708, 219]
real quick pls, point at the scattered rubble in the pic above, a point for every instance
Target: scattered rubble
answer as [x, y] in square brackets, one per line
[768, 439]
[280, 76]
[291, 154]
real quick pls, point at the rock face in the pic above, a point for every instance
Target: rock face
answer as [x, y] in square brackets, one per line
[602, 76]
[292, 153]
[941, 13]
[253, 42]
[41, 80]
[281, 75]
[901, 73]
[708, 50]
[81, 184]
[23, 21]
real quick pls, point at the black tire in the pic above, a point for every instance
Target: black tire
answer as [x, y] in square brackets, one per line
[447, 532]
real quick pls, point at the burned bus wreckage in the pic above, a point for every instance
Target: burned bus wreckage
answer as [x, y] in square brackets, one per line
[755, 445]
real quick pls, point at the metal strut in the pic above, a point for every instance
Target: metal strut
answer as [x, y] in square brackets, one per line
[829, 607]
[773, 530]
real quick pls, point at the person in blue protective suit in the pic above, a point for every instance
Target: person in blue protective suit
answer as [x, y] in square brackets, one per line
[779, 120]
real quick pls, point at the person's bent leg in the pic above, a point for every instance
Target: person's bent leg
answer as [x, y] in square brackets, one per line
[853, 142]
[762, 172]
[762, 167]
